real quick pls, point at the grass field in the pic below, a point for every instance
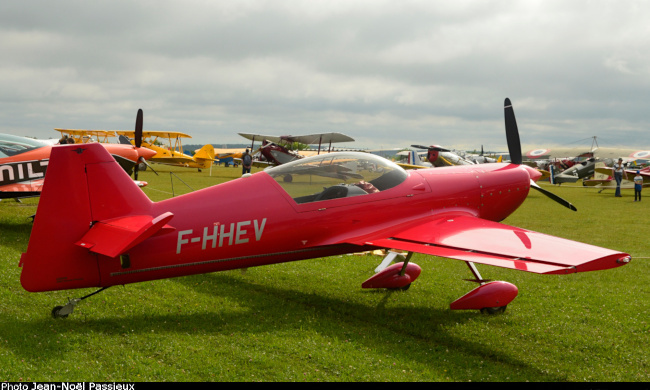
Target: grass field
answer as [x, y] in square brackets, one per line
[311, 321]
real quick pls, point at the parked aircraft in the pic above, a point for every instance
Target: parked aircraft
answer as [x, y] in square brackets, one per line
[628, 154]
[583, 170]
[444, 157]
[277, 150]
[482, 158]
[320, 206]
[437, 156]
[607, 179]
[24, 161]
[81, 136]
[172, 154]
[228, 155]
[564, 158]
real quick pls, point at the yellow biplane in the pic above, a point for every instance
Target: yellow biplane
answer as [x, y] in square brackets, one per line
[84, 136]
[172, 154]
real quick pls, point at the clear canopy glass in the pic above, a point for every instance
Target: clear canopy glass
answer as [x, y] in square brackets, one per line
[11, 145]
[336, 175]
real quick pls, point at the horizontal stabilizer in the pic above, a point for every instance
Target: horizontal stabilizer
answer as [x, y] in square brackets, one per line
[115, 236]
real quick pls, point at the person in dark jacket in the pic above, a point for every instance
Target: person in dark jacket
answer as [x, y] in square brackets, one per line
[247, 162]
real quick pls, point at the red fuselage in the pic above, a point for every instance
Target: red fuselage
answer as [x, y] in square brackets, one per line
[263, 225]
[213, 230]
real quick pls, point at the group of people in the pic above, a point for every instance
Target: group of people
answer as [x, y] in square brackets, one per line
[619, 172]
[65, 140]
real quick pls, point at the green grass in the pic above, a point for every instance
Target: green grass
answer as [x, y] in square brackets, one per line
[311, 321]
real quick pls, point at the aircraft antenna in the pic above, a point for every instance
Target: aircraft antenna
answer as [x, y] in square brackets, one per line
[594, 142]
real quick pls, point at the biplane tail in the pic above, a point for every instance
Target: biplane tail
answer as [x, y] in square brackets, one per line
[206, 152]
[205, 155]
[88, 207]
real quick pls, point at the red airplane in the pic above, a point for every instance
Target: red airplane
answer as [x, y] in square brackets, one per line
[24, 161]
[315, 207]
[276, 154]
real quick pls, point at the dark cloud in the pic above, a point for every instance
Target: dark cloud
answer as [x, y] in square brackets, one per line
[386, 73]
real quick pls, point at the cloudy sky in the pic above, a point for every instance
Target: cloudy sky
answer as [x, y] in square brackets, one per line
[388, 73]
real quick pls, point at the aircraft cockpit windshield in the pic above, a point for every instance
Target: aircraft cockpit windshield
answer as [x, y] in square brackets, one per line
[11, 145]
[336, 175]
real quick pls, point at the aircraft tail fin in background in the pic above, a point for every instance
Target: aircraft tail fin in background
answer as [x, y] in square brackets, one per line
[83, 187]
[551, 169]
[414, 158]
[205, 156]
[206, 153]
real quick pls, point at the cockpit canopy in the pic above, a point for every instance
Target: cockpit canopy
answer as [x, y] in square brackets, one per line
[336, 175]
[11, 145]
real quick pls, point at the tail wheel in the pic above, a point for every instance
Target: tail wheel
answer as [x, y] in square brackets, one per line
[55, 312]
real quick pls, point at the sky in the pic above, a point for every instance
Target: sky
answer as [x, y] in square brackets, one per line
[387, 73]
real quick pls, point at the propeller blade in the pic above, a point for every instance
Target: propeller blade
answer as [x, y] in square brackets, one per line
[124, 140]
[138, 129]
[553, 196]
[512, 133]
[149, 166]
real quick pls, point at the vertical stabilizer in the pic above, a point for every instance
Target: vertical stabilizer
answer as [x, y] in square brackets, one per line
[205, 156]
[551, 169]
[414, 158]
[83, 185]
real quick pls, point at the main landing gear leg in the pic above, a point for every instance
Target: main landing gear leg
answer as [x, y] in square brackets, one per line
[402, 272]
[479, 279]
[66, 310]
[397, 276]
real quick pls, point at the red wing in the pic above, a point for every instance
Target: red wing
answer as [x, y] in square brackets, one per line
[477, 240]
